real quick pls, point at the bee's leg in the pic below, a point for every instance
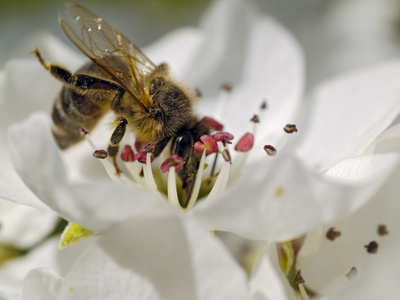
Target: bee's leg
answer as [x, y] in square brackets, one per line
[113, 146]
[160, 146]
[82, 82]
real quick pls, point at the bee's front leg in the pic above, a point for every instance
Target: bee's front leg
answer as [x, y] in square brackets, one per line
[81, 82]
[113, 146]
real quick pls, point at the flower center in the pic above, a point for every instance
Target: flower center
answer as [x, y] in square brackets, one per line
[213, 173]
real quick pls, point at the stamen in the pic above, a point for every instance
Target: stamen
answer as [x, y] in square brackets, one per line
[197, 183]
[173, 161]
[172, 191]
[101, 154]
[223, 137]
[148, 173]
[372, 247]
[298, 279]
[290, 128]
[127, 154]
[223, 96]
[142, 157]
[221, 181]
[352, 273]
[207, 143]
[212, 123]
[255, 119]
[382, 230]
[271, 151]
[226, 155]
[245, 143]
[264, 105]
[108, 166]
[332, 234]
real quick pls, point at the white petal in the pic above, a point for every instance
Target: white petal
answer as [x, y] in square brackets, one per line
[23, 226]
[41, 284]
[13, 272]
[34, 154]
[267, 280]
[284, 200]
[348, 113]
[38, 162]
[325, 270]
[163, 256]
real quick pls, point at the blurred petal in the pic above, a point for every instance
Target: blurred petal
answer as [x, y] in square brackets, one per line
[41, 283]
[23, 226]
[13, 272]
[163, 256]
[267, 280]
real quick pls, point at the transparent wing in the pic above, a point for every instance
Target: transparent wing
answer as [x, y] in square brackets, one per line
[108, 48]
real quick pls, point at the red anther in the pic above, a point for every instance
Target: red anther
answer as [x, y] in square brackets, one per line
[127, 154]
[149, 147]
[101, 154]
[138, 145]
[173, 161]
[142, 157]
[208, 143]
[212, 123]
[222, 135]
[245, 143]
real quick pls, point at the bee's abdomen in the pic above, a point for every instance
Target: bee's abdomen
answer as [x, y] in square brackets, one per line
[71, 112]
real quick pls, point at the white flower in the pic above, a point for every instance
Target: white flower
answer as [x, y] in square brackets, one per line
[314, 179]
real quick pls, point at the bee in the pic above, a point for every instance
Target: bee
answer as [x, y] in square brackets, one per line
[120, 78]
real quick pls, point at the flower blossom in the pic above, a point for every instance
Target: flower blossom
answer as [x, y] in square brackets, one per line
[315, 176]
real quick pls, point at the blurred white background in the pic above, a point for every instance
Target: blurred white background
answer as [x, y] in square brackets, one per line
[336, 35]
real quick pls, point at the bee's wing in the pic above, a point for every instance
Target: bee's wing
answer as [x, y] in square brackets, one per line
[108, 48]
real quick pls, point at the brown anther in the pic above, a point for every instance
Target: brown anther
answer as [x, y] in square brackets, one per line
[352, 273]
[83, 131]
[226, 155]
[372, 247]
[290, 128]
[271, 151]
[298, 279]
[382, 230]
[101, 154]
[332, 234]
[255, 119]
[263, 105]
[227, 86]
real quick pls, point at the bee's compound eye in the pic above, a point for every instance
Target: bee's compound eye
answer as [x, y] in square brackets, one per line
[182, 145]
[155, 84]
